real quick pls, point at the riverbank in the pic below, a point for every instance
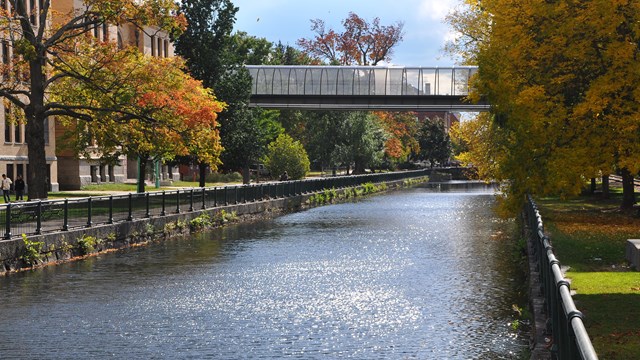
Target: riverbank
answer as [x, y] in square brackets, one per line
[588, 235]
[46, 249]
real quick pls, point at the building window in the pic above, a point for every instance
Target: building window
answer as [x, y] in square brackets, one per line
[153, 46]
[10, 171]
[7, 125]
[105, 32]
[166, 48]
[17, 128]
[93, 169]
[160, 48]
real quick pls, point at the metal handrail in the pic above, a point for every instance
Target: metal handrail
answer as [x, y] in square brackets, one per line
[46, 216]
[570, 338]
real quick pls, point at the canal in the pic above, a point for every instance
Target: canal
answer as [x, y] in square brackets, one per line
[407, 274]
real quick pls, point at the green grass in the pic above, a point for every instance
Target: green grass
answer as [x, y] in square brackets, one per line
[589, 235]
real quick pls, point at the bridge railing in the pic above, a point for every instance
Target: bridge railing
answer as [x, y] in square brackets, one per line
[38, 217]
[570, 338]
[360, 80]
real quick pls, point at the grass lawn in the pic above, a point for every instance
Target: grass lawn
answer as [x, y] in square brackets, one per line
[589, 235]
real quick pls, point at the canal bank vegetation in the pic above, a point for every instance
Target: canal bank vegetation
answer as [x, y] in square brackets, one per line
[55, 247]
[329, 196]
[588, 234]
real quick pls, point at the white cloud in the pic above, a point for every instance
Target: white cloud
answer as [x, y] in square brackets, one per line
[436, 9]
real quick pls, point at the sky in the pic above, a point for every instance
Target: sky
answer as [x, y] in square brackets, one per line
[425, 32]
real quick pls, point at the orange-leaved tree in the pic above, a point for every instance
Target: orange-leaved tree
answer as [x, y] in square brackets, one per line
[155, 111]
[402, 130]
[361, 43]
[40, 41]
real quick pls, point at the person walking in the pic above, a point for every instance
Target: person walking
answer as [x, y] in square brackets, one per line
[19, 187]
[6, 188]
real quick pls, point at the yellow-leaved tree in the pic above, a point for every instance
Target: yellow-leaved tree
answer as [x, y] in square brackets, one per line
[562, 78]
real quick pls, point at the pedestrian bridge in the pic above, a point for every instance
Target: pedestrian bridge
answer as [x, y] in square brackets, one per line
[388, 88]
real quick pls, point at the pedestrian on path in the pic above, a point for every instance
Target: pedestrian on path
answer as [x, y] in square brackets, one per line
[19, 187]
[6, 188]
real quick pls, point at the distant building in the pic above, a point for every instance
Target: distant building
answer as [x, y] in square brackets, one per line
[447, 117]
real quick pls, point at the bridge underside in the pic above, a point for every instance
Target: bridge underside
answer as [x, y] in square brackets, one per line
[367, 102]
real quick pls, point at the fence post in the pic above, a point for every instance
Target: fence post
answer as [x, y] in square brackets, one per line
[89, 207]
[204, 193]
[39, 218]
[163, 212]
[65, 221]
[7, 230]
[178, 201]
[147, 213]
[130, 217]
[110, 219]
[191, 200]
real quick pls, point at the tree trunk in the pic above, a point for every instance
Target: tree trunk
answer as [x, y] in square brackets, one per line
[593, 186]
[628, 189]
[142, 173]
[246, 174]
[605, 186]
[203, 174]
[38, 177]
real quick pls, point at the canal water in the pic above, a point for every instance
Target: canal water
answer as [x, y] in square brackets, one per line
[409, 274]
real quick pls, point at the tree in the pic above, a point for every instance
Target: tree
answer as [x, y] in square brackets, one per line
[563, 81]
[43, 55]
[435, 145]
[158, 112]
[286, 154]
[361, 43]
[205, 45]
[361, 141]
[401, 129]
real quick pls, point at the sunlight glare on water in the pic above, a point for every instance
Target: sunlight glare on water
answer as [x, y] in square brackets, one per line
[410, 274]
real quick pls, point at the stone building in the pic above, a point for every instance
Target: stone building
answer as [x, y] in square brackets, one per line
[76, 172]
[13, 150]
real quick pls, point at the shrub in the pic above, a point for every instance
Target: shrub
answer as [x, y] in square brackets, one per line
[200, 222]
[223, 178]
[87, 244]
[31, 254]
[286, 154]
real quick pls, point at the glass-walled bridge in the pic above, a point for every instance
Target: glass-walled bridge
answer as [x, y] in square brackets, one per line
[363, 88]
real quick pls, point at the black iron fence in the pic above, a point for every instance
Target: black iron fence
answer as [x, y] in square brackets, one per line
[38, 217]
[570, 338]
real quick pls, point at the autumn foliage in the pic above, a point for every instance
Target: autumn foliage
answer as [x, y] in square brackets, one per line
[563, 79]
[361, 42]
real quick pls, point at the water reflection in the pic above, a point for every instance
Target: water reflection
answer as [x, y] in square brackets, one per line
[411, 274]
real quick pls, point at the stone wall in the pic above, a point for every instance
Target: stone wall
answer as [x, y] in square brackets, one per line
[69, 245]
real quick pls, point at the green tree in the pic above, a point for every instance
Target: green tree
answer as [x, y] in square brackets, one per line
[44, 54]
[286, 154]
[361, 141]
[206, 47]
[435, 144]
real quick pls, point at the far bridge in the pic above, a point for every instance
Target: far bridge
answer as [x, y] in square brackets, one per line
[389, 88]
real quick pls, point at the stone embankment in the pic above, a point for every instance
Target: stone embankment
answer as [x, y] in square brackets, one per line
[39, 250]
